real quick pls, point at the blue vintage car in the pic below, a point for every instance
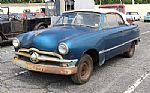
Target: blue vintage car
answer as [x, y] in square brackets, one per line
[147, 17]
[78, 40]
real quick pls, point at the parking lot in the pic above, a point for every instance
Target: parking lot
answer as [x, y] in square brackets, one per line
[118, 75]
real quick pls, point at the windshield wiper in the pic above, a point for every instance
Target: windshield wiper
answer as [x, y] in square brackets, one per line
[61, 24]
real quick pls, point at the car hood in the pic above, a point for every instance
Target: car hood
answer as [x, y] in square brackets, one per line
[50, 39]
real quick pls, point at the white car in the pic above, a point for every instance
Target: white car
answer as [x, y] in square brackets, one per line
[133, 16]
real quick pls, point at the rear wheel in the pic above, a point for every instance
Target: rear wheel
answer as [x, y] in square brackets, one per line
[41, 27]
[130, 52]
[1, 40]
[85, 69]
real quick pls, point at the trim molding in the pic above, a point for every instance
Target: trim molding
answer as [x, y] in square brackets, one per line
[104, 51]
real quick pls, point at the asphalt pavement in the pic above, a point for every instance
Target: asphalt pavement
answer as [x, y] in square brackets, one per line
[117, 75]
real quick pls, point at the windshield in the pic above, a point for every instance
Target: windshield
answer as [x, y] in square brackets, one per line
[80, 18]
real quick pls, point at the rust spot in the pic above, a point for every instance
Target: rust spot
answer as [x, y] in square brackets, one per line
[45, 68]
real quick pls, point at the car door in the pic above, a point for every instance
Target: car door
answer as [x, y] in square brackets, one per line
[112, 28]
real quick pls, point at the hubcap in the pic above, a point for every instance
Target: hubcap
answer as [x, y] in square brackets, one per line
[1, 39]
[85, 70]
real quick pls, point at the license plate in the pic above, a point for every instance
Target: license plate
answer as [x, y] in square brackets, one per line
[34, 67]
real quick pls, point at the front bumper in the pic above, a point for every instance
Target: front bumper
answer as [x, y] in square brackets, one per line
[44, 62]
[45, 68]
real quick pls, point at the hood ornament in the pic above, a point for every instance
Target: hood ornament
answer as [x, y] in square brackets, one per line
[34, 57]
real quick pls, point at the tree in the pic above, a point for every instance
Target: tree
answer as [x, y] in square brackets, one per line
[127, 1]
[96, 1]
[123, 1]
[21, 1]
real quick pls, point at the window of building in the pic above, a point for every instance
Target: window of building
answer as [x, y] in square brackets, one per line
[69, 5]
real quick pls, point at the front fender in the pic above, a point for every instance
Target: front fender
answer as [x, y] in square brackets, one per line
[79, 45]
[25, 39]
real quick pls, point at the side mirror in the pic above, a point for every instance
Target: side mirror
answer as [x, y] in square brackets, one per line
[130, 21]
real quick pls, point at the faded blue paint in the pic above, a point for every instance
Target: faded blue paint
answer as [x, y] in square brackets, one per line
[80, 39]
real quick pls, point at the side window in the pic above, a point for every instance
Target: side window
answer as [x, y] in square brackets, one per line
[120, 20]
[88, 19]
[112, 20]
[120, 9]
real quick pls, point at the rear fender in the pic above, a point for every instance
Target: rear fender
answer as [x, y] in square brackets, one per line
[101, 59]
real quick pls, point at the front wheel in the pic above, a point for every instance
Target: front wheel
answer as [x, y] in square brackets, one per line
[130, 52]
[85, 69]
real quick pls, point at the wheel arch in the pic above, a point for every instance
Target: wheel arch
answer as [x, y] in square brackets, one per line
[40, 24]
[94, 55]
[136, 42]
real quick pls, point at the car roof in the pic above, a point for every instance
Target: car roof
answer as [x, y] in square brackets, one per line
[98, 10]
[132, 12]
[103, 11]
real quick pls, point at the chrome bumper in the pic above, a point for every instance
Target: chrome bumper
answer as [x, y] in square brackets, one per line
[45, 68]
[45, 56]
[66, 67]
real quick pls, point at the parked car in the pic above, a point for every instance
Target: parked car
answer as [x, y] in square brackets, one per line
[133, 15]
[13, 24]
[147, 17]
[78, 40]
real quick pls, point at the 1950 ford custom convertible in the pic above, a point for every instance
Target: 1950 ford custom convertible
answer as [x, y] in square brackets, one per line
[78, 40]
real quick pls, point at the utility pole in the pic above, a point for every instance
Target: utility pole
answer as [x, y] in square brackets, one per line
[100, 2]
[121, 2]
[133, 2]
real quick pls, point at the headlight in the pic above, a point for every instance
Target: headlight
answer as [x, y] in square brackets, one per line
[16, 43]
[63, 48]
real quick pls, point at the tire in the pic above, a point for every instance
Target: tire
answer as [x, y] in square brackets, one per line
[41, 27]
[134, 19]
[145, 21]
[85, 69]
[1, 40]
[130, 52]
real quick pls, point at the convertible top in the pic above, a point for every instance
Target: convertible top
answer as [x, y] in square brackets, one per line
[103, 11]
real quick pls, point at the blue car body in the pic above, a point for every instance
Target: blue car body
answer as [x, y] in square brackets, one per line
[147, 17]
[105, 42]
